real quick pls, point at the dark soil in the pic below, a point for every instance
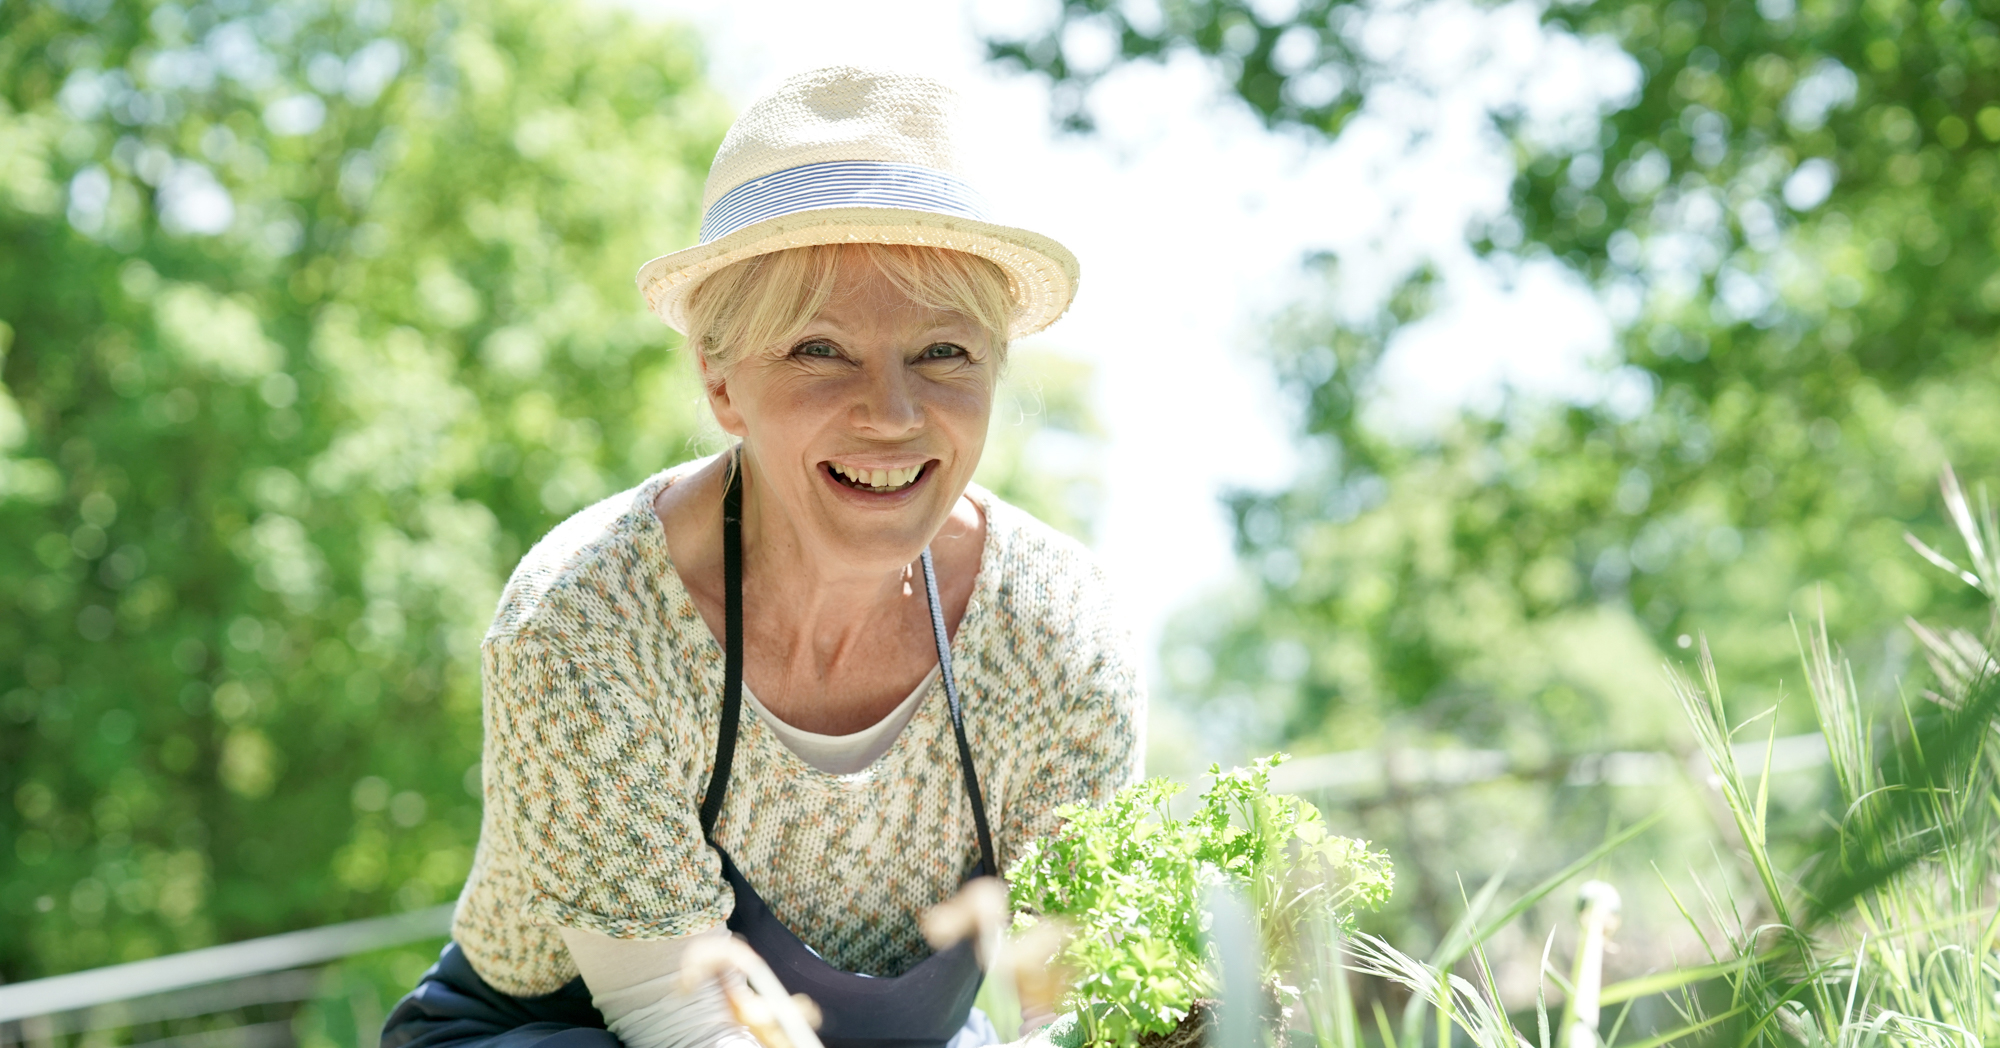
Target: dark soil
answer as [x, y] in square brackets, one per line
[1191, 1033]
[1196, 1030]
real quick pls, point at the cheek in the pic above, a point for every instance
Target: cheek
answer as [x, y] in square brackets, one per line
[966, 413]
[781, 407]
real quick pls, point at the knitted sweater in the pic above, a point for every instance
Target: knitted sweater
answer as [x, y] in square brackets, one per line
[603, 694]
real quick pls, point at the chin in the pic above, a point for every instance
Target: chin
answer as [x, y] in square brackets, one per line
[885, 543]
[885, 537]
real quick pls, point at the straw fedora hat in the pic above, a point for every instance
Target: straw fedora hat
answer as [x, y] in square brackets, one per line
[843, 155]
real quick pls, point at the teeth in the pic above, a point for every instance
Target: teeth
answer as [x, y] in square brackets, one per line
[880, 479]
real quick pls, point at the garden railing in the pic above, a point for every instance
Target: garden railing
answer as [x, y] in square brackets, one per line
[275, 970]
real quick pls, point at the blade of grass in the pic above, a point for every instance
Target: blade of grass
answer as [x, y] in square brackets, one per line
[1452, 948]
[1940, 560]
[1686, 1031]
[1940, 745]
[1493, 1017]
[1660, 982]
[1682, 907]
[1623, 1014]
[1382, 1023]
[1703, 706]
[1763, 816]
[1556, 880]
[1542, 993]
[1459, 938]
[1809, 981]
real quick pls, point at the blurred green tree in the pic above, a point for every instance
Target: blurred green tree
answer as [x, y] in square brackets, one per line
[1044, 450]
[1793, 222]
[314, 315]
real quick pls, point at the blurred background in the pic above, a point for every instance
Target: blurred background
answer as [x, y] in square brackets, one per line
[1441, 370]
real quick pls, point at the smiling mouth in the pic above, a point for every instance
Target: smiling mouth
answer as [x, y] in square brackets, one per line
[875, 481]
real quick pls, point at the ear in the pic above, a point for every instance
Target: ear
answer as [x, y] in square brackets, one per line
[715, 384]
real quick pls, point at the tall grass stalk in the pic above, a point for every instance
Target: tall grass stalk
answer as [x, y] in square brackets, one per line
[1884, 933]
[1883, 930]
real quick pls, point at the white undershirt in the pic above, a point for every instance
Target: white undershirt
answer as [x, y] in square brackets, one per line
[845, 754]
[635, 983]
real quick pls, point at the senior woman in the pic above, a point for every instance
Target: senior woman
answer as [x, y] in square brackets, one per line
[800, 691]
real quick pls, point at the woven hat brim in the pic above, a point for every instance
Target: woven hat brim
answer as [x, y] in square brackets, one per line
[1043, 272]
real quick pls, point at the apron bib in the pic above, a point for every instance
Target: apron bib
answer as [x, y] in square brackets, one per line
[926, 1007]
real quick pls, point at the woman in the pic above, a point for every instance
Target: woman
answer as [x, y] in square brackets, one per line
[802, 690]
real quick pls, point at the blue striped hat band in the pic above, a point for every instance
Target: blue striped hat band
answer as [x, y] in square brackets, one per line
[843, 183]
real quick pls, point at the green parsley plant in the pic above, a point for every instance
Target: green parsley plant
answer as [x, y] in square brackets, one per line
[1127, 881]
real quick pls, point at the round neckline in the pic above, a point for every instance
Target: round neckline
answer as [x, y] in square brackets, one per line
[876, 739]
[653, 542]
[907, 703]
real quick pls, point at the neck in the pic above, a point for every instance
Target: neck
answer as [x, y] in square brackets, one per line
[820, 606]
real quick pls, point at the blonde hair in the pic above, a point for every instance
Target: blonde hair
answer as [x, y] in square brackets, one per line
[768, 300]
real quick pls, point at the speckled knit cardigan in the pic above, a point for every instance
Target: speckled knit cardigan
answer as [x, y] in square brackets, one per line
[603, 692]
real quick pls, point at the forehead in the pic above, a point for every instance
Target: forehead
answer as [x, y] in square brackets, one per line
[864, 299]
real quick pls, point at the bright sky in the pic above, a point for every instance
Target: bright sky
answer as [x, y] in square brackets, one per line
[1191, 221]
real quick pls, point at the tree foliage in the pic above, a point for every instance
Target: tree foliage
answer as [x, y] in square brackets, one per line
[1793, 222]
[315, 314]
[313, 317]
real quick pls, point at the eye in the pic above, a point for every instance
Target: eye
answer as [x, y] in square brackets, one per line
[815, 348]
[941, 351]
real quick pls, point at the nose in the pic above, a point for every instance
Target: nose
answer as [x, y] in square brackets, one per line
[888, 403]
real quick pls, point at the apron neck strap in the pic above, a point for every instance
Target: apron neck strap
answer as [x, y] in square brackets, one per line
[732, 644]
[986, 855]
[732, 693]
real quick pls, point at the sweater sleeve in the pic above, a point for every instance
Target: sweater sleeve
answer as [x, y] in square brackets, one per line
[1096, 744]
[584, 784]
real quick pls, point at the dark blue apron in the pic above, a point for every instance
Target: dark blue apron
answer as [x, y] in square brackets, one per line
[928, 1006]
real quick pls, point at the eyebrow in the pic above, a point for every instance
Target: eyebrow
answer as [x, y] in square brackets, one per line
[949, 321]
